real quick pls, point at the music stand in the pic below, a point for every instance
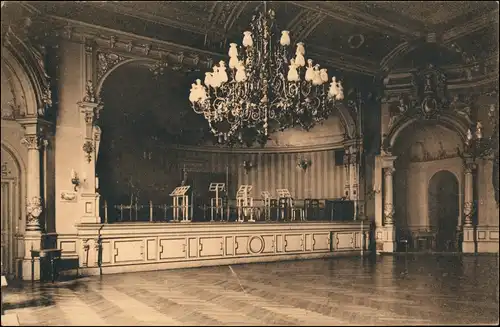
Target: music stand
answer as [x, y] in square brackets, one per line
[216, 203]
[180, 203]
[244, 203]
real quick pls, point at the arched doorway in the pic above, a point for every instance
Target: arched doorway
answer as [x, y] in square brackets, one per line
[443, 201]
[10, 208]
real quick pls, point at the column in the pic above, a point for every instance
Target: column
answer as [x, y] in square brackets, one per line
[378, 204]
[468, 243]
[388, 197]
[34, 201]
[34, 204]
[468, 193]
[388, 230]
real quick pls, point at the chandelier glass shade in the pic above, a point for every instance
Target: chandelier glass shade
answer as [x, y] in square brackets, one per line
[266, 85]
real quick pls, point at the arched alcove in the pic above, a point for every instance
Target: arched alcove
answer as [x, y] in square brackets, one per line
[144, 120]
[422, 149]
[443, 208]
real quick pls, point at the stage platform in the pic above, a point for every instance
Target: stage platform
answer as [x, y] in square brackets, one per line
[139, 246]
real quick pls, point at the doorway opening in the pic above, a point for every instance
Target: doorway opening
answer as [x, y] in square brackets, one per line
[443, 200]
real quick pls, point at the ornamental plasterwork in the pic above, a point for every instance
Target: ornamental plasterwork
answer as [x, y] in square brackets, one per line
[425, 155]
[33, 210]
[90, 95]
[389, 213]
[106, 61]
[469, 211]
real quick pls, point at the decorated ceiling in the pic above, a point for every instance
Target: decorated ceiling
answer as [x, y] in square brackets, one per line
[365, 37]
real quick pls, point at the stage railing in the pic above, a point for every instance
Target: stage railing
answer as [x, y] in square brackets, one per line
[227, 211]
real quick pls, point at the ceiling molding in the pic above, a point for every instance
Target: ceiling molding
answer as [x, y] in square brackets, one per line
[318, 20]
[395, 53]
[470, 27]
[235, 14]
[274, 149]
[304, 23]
[356, 18]
[96, 31]
[331, 55]
[120, 9]
[90, 30]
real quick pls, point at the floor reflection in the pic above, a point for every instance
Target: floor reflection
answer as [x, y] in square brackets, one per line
[407, 289]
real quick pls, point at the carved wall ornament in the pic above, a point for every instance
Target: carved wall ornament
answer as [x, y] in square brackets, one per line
[196, 59]
[431, 90]
[461, 105]
[112, 41]
[89, 45]
[389, 213]
[33, 210]
[106, 61]
[469, 210]
[6, 172]
[397, 110]
[129, 46]
[147, 49]
[88, 148]
[11, 110]
[68, 32]
[68, 196]
[355, 41]
[89, 118]
[210, 63]
[90, 95]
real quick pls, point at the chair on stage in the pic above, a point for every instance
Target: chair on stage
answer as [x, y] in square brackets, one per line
[244, 203]
[285, 205]
[266, 196]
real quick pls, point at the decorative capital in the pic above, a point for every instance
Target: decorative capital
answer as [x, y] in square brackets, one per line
[469, 167]
[389, 171]
[32, 142]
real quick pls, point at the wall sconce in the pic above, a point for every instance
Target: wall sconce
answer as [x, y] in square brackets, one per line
[304, 163]
[371, 194]
[75, 180]
[247, 165]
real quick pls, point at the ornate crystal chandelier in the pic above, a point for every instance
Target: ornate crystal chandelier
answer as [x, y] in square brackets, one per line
[264, 86]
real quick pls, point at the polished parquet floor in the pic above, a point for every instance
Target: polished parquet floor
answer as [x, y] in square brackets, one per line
[382, 290]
